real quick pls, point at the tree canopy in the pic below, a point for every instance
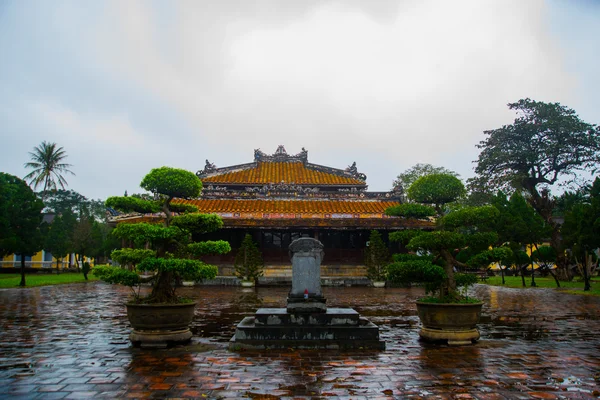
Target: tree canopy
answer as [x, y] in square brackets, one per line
[49, 168]
[408, 177]
[20, 219]
[436, 189]
[546, 142]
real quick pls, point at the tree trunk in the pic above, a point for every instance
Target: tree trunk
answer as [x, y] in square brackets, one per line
[502, 274]
[163, 291]
[522, 271]
[57, 266]
[22, 284]
[449, 267]
[562, 267]
[532, 275]
[586, 275]
[555, 277]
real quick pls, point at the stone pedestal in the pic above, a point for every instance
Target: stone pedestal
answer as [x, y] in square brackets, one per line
[306, 323]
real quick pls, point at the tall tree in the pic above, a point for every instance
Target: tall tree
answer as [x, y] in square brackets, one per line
[545, 145]
[581, 230]
[47, 162]
[20, 220]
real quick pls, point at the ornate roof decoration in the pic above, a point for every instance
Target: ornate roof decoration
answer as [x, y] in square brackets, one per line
[282, 168]
[209, 168]
[281, 155]
[354, 172]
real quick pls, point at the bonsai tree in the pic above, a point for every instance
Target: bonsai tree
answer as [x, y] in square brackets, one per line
[377, 257]
[174, 255]
[465, 233]
[248, 261]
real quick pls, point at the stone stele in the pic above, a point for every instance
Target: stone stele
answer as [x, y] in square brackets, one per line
[306, 323]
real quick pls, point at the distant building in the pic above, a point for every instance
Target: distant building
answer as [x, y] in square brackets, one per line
[280, 197]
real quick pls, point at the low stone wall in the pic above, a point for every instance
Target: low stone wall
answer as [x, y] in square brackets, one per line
[273, 271]
[287, 281]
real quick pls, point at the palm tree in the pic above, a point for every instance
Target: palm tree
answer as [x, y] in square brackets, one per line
[48, 168]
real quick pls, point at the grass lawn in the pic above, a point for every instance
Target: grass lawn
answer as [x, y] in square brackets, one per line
[13, 280]
[573, 287]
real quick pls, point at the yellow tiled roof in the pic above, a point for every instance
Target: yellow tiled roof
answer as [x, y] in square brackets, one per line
[276, 172]
[290, 206]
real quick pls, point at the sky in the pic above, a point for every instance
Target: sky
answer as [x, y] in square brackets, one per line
[127, 86]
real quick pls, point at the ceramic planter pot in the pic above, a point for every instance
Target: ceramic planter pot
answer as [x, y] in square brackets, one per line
[247, 283]
[450, 322]
[378, 284]
[158, 325]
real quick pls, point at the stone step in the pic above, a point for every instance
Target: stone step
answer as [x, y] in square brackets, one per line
[332, 317]
[270, 334]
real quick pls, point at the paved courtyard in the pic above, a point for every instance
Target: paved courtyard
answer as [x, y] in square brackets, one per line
[71, 342]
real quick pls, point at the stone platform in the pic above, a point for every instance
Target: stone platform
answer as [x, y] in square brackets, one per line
[276, 328]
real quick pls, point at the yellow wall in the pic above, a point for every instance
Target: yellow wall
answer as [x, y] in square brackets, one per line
[37, 261]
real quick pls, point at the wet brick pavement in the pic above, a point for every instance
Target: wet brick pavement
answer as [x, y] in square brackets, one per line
[71, 342]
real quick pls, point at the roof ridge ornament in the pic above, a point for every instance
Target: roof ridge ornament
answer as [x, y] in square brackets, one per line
[281, 155]
[353, 171]
[209, 168]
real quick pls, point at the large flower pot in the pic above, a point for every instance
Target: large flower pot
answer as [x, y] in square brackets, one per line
[378, 284]
[247, 284]
[158, 325]
[449, 322]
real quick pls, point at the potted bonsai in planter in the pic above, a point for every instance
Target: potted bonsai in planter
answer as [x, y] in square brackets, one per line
[248, 262]
[466, 234]
[377, 257]
[170, 255]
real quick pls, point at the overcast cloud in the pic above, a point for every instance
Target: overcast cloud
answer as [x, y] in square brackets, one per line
[125, 86]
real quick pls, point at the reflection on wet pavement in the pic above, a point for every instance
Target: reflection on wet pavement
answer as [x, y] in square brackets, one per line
[71, 341]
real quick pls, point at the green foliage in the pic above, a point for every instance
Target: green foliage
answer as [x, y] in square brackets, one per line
[487, 257]
[465, 280]
[479, 218]
[545, 143]
[400, 257]
[147, 233]
[129, 204]
[544, 255]
[411, 210]
[198, 223]
[377, 257]
[48, 167]
[417, 271]
[192, 270]
[116, 275]
[58, 239]
[404, 236]
[208, 247]
[408, 177]
[33, 280]
[518, 223]
[131, 257]
[248, 261]
[436, 189]
[20, 219]
[436, 241]
[172, 182]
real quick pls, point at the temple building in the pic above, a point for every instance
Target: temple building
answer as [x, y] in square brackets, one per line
[280, 197]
